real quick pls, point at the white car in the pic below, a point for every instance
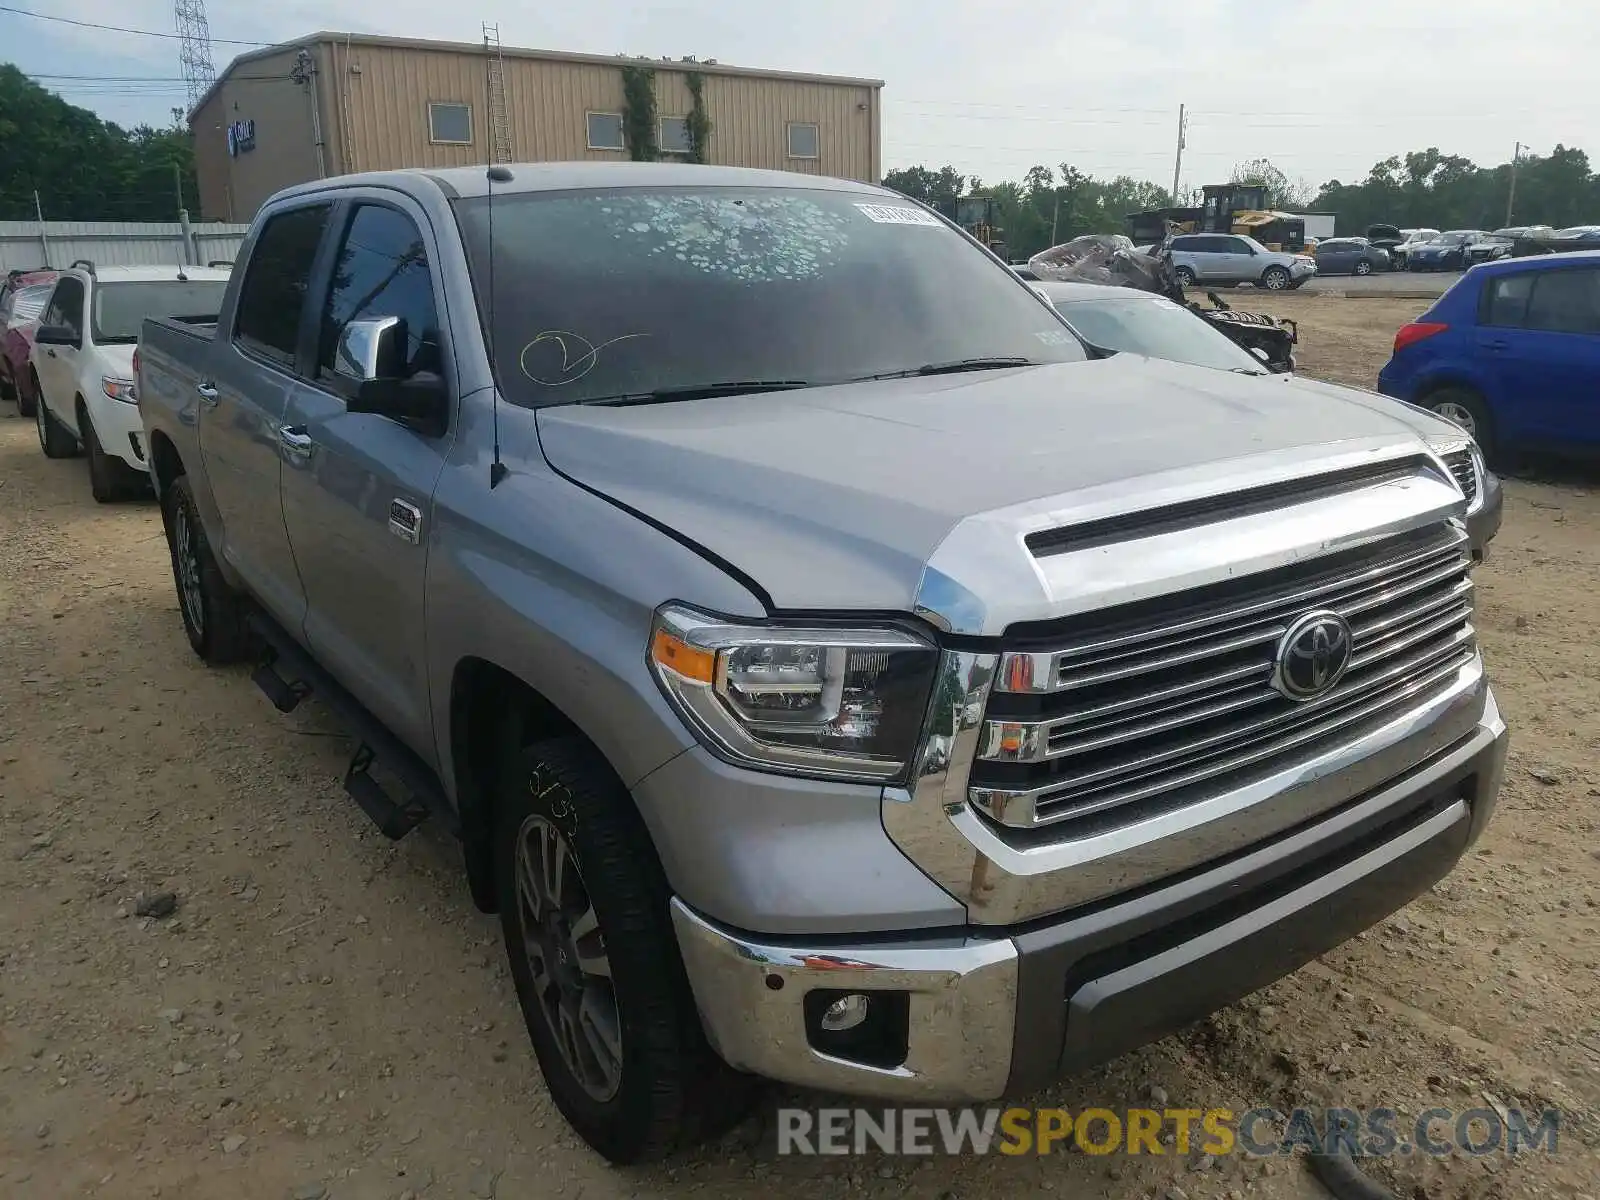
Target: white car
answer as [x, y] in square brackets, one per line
[82, 362]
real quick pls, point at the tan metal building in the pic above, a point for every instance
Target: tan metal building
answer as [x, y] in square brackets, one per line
[333, 103]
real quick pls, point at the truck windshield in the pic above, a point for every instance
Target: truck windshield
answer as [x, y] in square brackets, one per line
[620, 293]
[120, 308]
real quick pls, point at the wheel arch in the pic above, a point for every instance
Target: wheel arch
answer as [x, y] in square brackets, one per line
[166, 464]
[493, 714]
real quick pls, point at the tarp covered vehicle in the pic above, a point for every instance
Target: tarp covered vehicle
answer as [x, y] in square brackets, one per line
[1109, 258]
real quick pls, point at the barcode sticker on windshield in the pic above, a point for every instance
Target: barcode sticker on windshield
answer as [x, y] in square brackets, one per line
[894, 214]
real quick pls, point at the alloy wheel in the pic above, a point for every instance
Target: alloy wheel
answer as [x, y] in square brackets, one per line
[186, 558]
[567, 958]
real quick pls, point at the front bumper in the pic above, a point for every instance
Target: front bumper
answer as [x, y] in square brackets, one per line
[994, 1013]
[120, 430]
[1484, 523]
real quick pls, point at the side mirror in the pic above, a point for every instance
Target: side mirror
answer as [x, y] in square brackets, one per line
[372, 349]
[372, 356]
[56, 335]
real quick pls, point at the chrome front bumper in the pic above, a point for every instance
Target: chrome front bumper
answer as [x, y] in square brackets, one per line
[992, 1013]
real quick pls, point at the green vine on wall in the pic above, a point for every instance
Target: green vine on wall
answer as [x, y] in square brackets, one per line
[698, 121]
[639, 113]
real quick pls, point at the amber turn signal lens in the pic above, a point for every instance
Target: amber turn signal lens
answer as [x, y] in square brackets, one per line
[677, 655]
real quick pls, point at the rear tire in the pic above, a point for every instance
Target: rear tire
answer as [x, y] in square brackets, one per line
[213, 613]
[1466, 408]
[8, 386]
[28, 397]
[1184, 276]
[621, 1046]
[1275, 279]
[54, 439]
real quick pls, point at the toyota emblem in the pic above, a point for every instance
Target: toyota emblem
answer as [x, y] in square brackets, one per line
[1313, 655]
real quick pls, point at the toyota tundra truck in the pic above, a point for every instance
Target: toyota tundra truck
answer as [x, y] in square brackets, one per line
[835, 671]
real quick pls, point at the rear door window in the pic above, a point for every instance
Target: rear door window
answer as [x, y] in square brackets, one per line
[1505, 301]
[1565, 302]
[273, 295]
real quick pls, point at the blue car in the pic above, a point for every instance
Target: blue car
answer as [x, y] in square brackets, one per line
[1511, 353]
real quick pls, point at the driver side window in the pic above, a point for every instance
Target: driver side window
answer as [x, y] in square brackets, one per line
[66, 306]
[382, 271]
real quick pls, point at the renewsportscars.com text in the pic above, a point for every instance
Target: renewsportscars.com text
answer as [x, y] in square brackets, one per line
[1376, 1132]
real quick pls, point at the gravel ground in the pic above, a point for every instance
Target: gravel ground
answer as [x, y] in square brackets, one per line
[324, 1013]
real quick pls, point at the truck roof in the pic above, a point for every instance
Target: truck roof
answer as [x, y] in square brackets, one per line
[561, 176]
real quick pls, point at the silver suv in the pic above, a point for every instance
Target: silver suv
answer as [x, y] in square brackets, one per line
[1233, 258]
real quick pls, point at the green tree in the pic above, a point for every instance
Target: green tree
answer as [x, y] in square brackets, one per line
[83, 168]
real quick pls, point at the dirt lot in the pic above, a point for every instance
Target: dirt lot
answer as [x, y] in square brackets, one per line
[327, 1011]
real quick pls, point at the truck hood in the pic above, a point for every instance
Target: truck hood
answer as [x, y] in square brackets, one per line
[836, 498]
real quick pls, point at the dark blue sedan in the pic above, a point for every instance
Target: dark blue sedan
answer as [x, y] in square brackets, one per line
[1447, 252]
[1511, 353]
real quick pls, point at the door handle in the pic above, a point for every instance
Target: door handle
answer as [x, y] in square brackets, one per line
[1496, 343]
[208, 394]
[296, 440]
[51, 352]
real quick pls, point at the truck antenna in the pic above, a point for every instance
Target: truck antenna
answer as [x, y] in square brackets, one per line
[497, 469]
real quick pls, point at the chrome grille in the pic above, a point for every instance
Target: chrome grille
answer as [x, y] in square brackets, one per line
[1137, 708]
[1466, 474]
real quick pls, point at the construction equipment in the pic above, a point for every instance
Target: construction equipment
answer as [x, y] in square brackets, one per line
[976, 214]
[1239, 208]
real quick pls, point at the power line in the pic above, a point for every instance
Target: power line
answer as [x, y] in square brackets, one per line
[23, 12]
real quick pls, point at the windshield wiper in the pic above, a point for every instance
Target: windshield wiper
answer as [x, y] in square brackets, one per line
[1246, 371]
[699, 391]
[954, 367]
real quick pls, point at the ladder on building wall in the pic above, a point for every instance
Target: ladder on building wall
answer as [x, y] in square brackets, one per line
[499, 120]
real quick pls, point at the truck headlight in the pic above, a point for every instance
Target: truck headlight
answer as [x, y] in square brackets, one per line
[804, 700]
[120, 389]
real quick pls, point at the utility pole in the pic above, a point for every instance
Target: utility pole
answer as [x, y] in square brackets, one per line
[177, 183]
[1177, 165]
[1511, 197]
[1055, 218]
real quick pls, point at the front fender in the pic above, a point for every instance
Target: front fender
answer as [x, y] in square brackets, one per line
[558, 587]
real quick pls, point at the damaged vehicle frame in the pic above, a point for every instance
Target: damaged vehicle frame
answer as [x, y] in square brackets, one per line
[885, 714]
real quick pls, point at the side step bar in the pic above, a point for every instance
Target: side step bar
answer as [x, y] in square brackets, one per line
[288, 675]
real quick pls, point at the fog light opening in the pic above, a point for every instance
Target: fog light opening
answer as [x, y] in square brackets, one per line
[845, 1013]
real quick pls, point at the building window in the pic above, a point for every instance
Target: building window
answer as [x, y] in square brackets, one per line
[674, 135]
[451, 123]
[804, 141]
[605, 131]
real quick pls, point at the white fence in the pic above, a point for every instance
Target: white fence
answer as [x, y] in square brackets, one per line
[27, 244]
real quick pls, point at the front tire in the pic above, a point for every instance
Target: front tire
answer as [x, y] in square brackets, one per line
[213, 613]
[54, 439]
[1184, 276]
[1275, 279]
[589, 936]
[110, 479]
[1363, 267]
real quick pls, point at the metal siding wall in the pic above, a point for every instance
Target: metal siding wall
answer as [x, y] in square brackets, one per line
[114, 243]
[750, 119]
[547, 99]
[285, 151]
[389, 106]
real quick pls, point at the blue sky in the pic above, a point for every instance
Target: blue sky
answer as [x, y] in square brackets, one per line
[1322, 88]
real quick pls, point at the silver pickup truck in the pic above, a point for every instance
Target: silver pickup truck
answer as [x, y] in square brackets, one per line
[834, 671]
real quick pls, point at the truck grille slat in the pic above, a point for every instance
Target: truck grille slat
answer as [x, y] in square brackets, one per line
[1461, 466]
[1147, 711]
[1087, 664]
